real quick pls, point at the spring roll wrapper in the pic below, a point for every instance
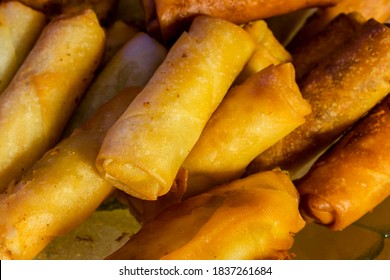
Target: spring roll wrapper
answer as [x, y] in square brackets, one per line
[145, 148]
[173, 15]
[252, 117]
[353, 177]
[52, 8]
[44, 92]
[340, 90]
[61, 190]
[133, 65]
[377, 9]
[309, 53]
[20, 26]
[268, 50]
[251, 218]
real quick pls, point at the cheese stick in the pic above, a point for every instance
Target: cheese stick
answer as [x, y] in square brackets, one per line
[44, 92]
[20, 27]
[354, 176]
[251, 118]
[132, 65]
[145, 148]
[61, 190]
[340, 90]
[174, 15]
[377, 9]
[251, 218]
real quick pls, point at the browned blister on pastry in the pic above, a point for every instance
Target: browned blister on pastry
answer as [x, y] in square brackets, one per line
[251, 218]
[353, 176]
[174, 15]
[377, 9]
[340, 90]
[309, 53]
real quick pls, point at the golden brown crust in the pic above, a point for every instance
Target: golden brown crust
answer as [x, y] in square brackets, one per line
[61, 190]
[174, 15]
[44, 92]
[310, 52]
[144, 150]
[340, 90]
[53, 8]
[252, 117]
[377, 9]
[354, 176]
[245, 219]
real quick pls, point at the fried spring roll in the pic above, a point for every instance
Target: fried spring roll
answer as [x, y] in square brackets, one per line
[145, 148]
[251, 218]
[44, 92]
[174, 15]
[251, 118]
[340, 90]
[310, 52]
[61, 190]
[52, 8]
[118, 34]
[20, 27]
[354, 176]
[132, 65]
[268, 50]
[377, 9]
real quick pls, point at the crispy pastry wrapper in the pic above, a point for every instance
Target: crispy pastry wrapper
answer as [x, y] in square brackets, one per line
[145, 148]
[312, 51]
[352, 177]
[118, 34]
[61, 190]
[52, 8]
[377, 9]
[174, 15]
[132, 66]
[252, 117]
[44, 92]
[251, 218]
[268, 50]
[343, 88]
[20, 27]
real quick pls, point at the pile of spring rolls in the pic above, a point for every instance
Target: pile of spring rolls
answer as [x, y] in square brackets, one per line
[223, 142]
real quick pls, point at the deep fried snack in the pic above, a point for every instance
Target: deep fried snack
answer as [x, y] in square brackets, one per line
[20, 27]
[145, 148]
[252, 117]
[36, 105]
[102, 8]
[132, 65]
[312, 51]
[117, 35]
[174, 15]
[340, 90]
[377, 9]
[251, 218]
[268, 50]
[61, 190]
[352, 177]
